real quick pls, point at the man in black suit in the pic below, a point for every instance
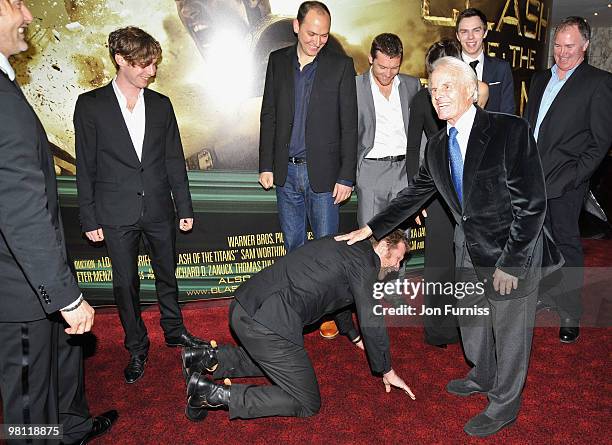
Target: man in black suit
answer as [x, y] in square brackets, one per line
[308, 134]
[41, 367]
[471, 30]
[487, 169]
[130, 177]
[268, 315]
[569, 110]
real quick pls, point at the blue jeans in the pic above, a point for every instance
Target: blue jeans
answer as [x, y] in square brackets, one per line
[296, 201]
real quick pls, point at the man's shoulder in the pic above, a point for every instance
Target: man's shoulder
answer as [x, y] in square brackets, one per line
[596, 74]
[506, 120]
[95, 93]
[409, 79]
[281, 52]
[156, 95]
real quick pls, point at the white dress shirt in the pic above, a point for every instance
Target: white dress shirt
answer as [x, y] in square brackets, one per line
[135, 119]
[6, 67]
[390, 136]
[479, 67]
[464, 128]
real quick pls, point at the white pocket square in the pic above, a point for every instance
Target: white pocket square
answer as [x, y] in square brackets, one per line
[494, 83]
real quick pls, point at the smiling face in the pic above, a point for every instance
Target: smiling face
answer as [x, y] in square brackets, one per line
[451, 94]
[471, 33]
[14, 19]
[313, 32]
[135, 75]
[385, 68]
[569, 49]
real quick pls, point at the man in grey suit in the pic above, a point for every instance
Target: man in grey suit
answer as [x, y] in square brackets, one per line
[383, 101]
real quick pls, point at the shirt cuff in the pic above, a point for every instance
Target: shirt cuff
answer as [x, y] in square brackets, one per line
[345, 182]
[74, 304]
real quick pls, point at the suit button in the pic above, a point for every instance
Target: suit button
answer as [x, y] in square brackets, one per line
[139, 193]
[465, 218]
[141, 169]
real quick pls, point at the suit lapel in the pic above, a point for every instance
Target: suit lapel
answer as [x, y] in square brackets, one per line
[403, 92]
[150, 110]
[115, 120]
[440, 157]
[566, 89]
[291, 55]
[477, 145]
[369, 104]
[487, 70]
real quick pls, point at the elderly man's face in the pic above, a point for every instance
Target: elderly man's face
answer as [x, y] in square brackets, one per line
[569, 49]
[450, 94]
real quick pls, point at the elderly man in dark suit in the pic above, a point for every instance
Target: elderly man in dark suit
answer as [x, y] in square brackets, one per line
[41, 368]
[131, 176]
[569, 110]
[308, 134]
[487, 169]
[471, 30]
[268, 316]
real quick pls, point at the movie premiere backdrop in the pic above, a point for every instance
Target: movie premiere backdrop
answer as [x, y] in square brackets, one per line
[214, 62]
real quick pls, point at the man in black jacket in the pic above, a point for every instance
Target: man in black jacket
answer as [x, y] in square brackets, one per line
[569, 111]
[131, 177]
[268, 316]
[41, 306]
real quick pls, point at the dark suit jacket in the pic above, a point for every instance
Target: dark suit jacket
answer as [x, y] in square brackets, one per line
[498, 75]
[576, 132]
[423, 118]
[504, 196]
[331, 121]
[113, 185]
[34, 272]
[319, 278]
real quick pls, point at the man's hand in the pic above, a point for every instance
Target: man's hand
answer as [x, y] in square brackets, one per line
[392, 379]
[418, 218]
[341, 193]
[80, 320]
[504, 282]
[186, 224]
[266, 179]
[359, 344]
[355, 235]
[95, 235]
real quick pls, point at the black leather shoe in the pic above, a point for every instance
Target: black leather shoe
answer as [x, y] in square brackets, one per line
[199, 359]
[569, 330]
[463, 387]
[186, 340]
[135, 368]
[204, 393]
[483, 426]
[101, 424]
[441, 346]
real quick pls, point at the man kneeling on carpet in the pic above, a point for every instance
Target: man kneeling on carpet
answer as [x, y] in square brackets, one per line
[268, 315]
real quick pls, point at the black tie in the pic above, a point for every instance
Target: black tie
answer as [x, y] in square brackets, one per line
[473, 64]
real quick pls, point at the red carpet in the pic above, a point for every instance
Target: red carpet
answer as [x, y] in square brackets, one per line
[567, 399]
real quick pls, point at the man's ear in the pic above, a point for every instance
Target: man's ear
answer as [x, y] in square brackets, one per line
[296, 26]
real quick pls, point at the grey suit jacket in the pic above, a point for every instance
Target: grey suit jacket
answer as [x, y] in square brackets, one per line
[408, 87]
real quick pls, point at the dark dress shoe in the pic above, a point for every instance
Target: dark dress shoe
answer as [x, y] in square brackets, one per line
[100, 425]
[186, 340]
[199, 359]
[203, 394]
[135, 368]
[483, 426]
[463, 387]
[441, 346]
[569, 330]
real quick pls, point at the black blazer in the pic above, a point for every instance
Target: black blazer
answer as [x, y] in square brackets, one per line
[319, 278]
[34, 272]
[423, 118]
[498, 75]
[504, 196]
[576, 132]
[331, 120]
[113, 185]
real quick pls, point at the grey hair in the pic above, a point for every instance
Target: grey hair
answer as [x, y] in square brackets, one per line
[464, 72]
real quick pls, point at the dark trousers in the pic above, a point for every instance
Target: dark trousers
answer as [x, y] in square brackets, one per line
[562, 289]
[41, 378]
[295, 390]
[122, 243]
[440, 328]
